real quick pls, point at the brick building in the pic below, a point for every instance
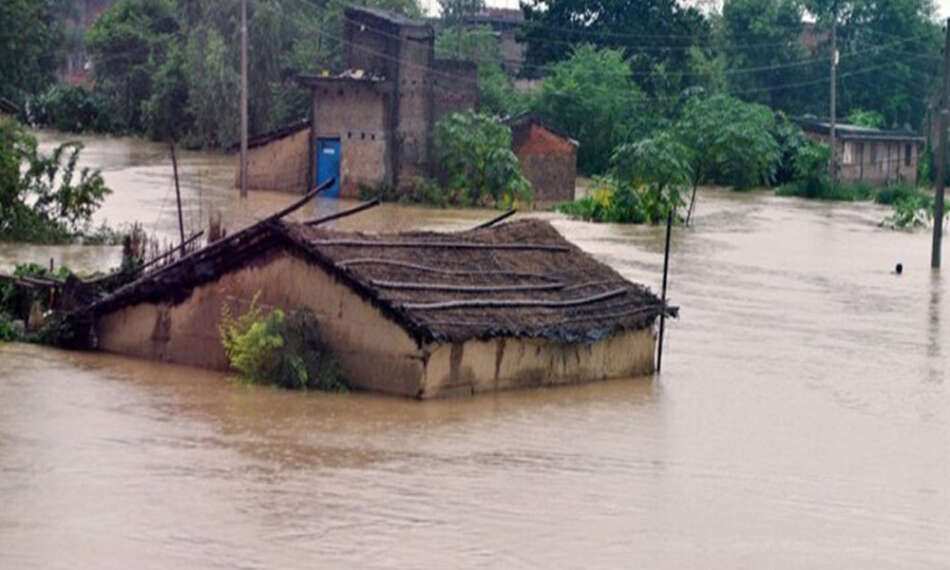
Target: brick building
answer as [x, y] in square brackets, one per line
[548, 158]
[505, 23]
[372, 124]
[866, 154]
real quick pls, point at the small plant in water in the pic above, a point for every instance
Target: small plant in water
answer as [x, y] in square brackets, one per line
[273, 347]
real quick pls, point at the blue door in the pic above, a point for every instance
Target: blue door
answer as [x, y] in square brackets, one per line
[328, 165]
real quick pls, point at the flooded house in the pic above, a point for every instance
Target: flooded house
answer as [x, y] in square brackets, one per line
[865, 154]
[418, 314]
[372, 124]
[547, 156]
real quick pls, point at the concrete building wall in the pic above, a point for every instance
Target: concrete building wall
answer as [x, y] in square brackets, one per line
[370, 43]
[358, 114]
[376, 354]
[505, 363]
[454, 87]
[413, 116]
[280, 164]
[547, 160]
[876, 161]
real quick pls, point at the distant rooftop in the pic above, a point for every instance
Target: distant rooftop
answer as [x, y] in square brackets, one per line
[392, 17]
[846, 130]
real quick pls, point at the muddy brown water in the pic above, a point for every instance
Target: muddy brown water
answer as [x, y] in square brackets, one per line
[802, 420]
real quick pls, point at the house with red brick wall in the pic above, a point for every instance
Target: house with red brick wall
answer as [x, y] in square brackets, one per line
[548, 158]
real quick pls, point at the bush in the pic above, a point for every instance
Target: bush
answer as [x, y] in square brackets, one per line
[283, 350]
[609, 201]
[910, 211]
[7, 332]
[895, 193]
[477, 161]
[71, 109]
[40, 198]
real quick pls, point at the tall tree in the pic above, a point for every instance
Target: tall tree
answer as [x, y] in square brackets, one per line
[761, 43]
[126, 46]
[890, 54]
[650, 33]
[592, 97]
[32, 35]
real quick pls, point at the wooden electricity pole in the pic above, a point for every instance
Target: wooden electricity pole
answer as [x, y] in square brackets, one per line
[941, 155]
[243, 98]
[832, 165]
[666, 267]
[181, 223]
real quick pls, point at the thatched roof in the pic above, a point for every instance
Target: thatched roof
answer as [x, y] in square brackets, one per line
[519, 279]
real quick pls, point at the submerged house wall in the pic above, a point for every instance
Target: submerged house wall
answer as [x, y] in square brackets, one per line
[505, 363]
[376, 354]
[279, 164]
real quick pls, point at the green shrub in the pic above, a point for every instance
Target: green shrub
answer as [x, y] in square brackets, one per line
[478, 163]
[895, 193]
[912, 211]
[71, 109]
[280, 349]
[7, 332]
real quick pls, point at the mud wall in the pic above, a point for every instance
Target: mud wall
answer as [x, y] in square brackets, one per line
[277, 165]
[376, 354]
[499, 364]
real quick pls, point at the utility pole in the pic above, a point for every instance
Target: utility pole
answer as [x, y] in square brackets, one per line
[666, 267]
[243, 98]
[941, 155]
[832, 166]
[181, 223]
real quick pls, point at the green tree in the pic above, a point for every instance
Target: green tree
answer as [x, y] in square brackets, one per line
[763, 39]
[866, 118]
[729, 142]
[40, 198]
[125, 45]
[214, 89]
[655, 173]
[890, 57]
[496, 91]
[166, 115]
[592, 96]
[32, 38]
[648, 32]
[475, 155]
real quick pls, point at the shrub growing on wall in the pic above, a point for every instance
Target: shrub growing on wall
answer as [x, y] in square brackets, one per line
[286, 350]
[477, 161]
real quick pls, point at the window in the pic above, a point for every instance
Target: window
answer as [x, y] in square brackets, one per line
[848, 157]
[907, 153]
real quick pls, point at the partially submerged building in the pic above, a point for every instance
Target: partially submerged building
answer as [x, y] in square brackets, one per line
[547, 156]
[865, 154]
[417, 314]
[372, 125]
[279, 159]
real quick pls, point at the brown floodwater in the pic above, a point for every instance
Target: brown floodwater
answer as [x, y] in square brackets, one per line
[802, 419]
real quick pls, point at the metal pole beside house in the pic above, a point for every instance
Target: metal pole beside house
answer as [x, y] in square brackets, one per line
[666, 267]
[181, 223]
[243, 98]
[940, 156]
[832, 170]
